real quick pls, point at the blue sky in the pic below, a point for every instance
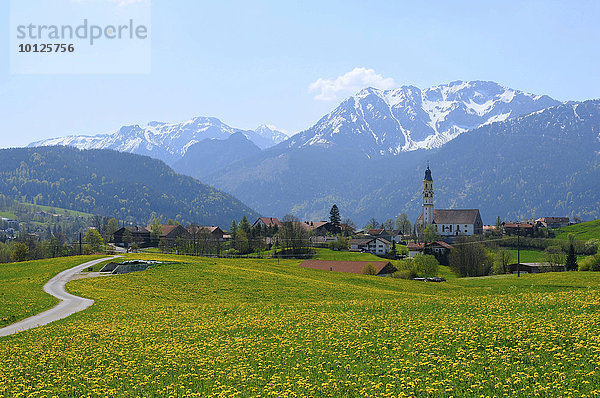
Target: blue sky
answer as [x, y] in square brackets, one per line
[255, 62]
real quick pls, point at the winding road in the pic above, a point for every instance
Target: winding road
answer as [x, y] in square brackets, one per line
[68, 305]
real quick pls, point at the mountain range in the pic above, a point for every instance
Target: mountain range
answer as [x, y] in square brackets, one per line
[368, 154]
[166, 141]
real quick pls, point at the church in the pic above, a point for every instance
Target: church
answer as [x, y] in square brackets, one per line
[450, 222]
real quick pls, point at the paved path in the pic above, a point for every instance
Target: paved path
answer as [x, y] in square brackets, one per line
[68, 305]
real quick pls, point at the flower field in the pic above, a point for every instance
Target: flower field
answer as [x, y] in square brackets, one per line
[21, 285]
[222, 328]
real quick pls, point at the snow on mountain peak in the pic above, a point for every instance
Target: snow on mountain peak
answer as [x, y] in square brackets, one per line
[166, 141]
[409, 118]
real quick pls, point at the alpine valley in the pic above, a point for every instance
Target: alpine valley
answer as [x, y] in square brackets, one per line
[509, 153]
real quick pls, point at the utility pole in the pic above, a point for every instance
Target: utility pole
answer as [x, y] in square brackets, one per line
[518, 249]
[80, 251]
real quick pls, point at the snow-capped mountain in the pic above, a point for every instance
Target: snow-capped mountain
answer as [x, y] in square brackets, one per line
[387, 122]
[166, 141]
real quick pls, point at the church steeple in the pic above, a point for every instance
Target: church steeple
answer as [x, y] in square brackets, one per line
[427, 199]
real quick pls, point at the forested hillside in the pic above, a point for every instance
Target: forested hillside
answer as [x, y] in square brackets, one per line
[114, 184]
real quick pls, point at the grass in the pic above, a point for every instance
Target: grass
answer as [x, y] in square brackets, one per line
[329, 255]
[21, 293]
[532, 256]
[237, 327]
[582, 231]
[56, 210]
[7, 214]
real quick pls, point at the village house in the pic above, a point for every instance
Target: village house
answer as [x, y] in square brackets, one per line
[138, 235]
[267, 222]
[377, 246]
[553, 222]
[514, 228]
[170, 233]
[213, 233]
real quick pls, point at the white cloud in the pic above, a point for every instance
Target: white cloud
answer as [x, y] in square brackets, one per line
[349, 83]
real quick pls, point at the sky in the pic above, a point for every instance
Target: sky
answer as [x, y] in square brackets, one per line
[288, 63]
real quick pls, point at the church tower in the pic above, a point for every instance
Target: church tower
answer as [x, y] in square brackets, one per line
[427, 199]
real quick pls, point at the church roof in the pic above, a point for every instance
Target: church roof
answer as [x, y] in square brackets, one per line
[428, 175]
[454, 216]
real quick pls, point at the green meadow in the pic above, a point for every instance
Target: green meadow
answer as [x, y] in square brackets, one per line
[242, 327]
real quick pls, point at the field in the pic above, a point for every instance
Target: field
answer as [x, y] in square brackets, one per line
[583, 231]
[21, 293]
[208, 327]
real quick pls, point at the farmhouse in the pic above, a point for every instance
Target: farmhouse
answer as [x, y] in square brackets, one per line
[170, 233]
[452, 222]
[382, 268]
[514, 228]
[138, 235]
[553, 222]
[212, 233]
[377, 246]
[267, 221]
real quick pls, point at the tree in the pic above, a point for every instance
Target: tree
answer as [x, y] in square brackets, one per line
[245, 226]
[403, 224]
[293, 237]
[241, 243]
[20, 251]
[372, 224]
[112, 225]
[555, 257]
[233, 229]
[426, 264]
[393, 252]
[430, 234]
[571, 264]
[94, 240]
[469, 258]
[349, 226]
[389, 224]
[155, 230]
[369, 270]
[501, 261]
[498, 222]
[334, 218]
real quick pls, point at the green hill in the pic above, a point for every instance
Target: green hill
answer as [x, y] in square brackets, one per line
[109, 183]
[582, 231]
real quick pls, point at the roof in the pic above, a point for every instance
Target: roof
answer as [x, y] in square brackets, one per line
[516, 225]
[269, 221]
[375, 231]
[415, 246]
[554, 219]
[136, 229]
[361, 241]
[442, 244]
[353, 267]
[454, 216]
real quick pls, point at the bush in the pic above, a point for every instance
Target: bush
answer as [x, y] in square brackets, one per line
[369, 270]
[404, 274]
[340, 244]
[426, 265]
[591, 263]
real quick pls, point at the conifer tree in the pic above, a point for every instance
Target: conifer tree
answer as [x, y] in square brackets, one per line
[571, 259]
[334, 217]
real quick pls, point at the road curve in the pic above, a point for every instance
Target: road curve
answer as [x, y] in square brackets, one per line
[68, 305]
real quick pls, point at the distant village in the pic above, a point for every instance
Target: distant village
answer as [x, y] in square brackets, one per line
[435, 232]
